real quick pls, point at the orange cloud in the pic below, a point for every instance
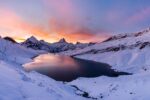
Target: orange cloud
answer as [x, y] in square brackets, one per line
[74, 33]
[13, 25]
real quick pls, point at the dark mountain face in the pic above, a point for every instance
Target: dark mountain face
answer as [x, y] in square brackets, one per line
[10, 39]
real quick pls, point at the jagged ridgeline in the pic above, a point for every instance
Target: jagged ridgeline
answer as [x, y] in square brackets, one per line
[61, 45]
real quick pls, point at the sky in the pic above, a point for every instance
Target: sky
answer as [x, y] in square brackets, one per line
[74, 20]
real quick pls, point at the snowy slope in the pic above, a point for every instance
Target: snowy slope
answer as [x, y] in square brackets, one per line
[16, 84]
[15, 52]
[134, 87]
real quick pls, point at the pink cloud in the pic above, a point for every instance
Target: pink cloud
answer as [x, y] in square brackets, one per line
[64, 8]
[113, 15]
[138, 16]
[66, 16]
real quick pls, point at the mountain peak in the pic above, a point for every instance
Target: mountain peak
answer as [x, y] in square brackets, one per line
[78, 43]
[32, 39]
[62, 40]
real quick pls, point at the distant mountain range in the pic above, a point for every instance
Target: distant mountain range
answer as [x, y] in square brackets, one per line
[59, 46]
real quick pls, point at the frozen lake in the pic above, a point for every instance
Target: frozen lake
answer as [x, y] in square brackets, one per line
[65, 68]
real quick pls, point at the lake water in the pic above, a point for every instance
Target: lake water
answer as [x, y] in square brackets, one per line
[65, 68]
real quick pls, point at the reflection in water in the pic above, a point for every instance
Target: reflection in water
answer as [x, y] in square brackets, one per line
[51, 61]
[64, 68]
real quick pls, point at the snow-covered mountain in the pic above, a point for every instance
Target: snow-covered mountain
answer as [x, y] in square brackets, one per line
[59, 46]
[125, 52]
